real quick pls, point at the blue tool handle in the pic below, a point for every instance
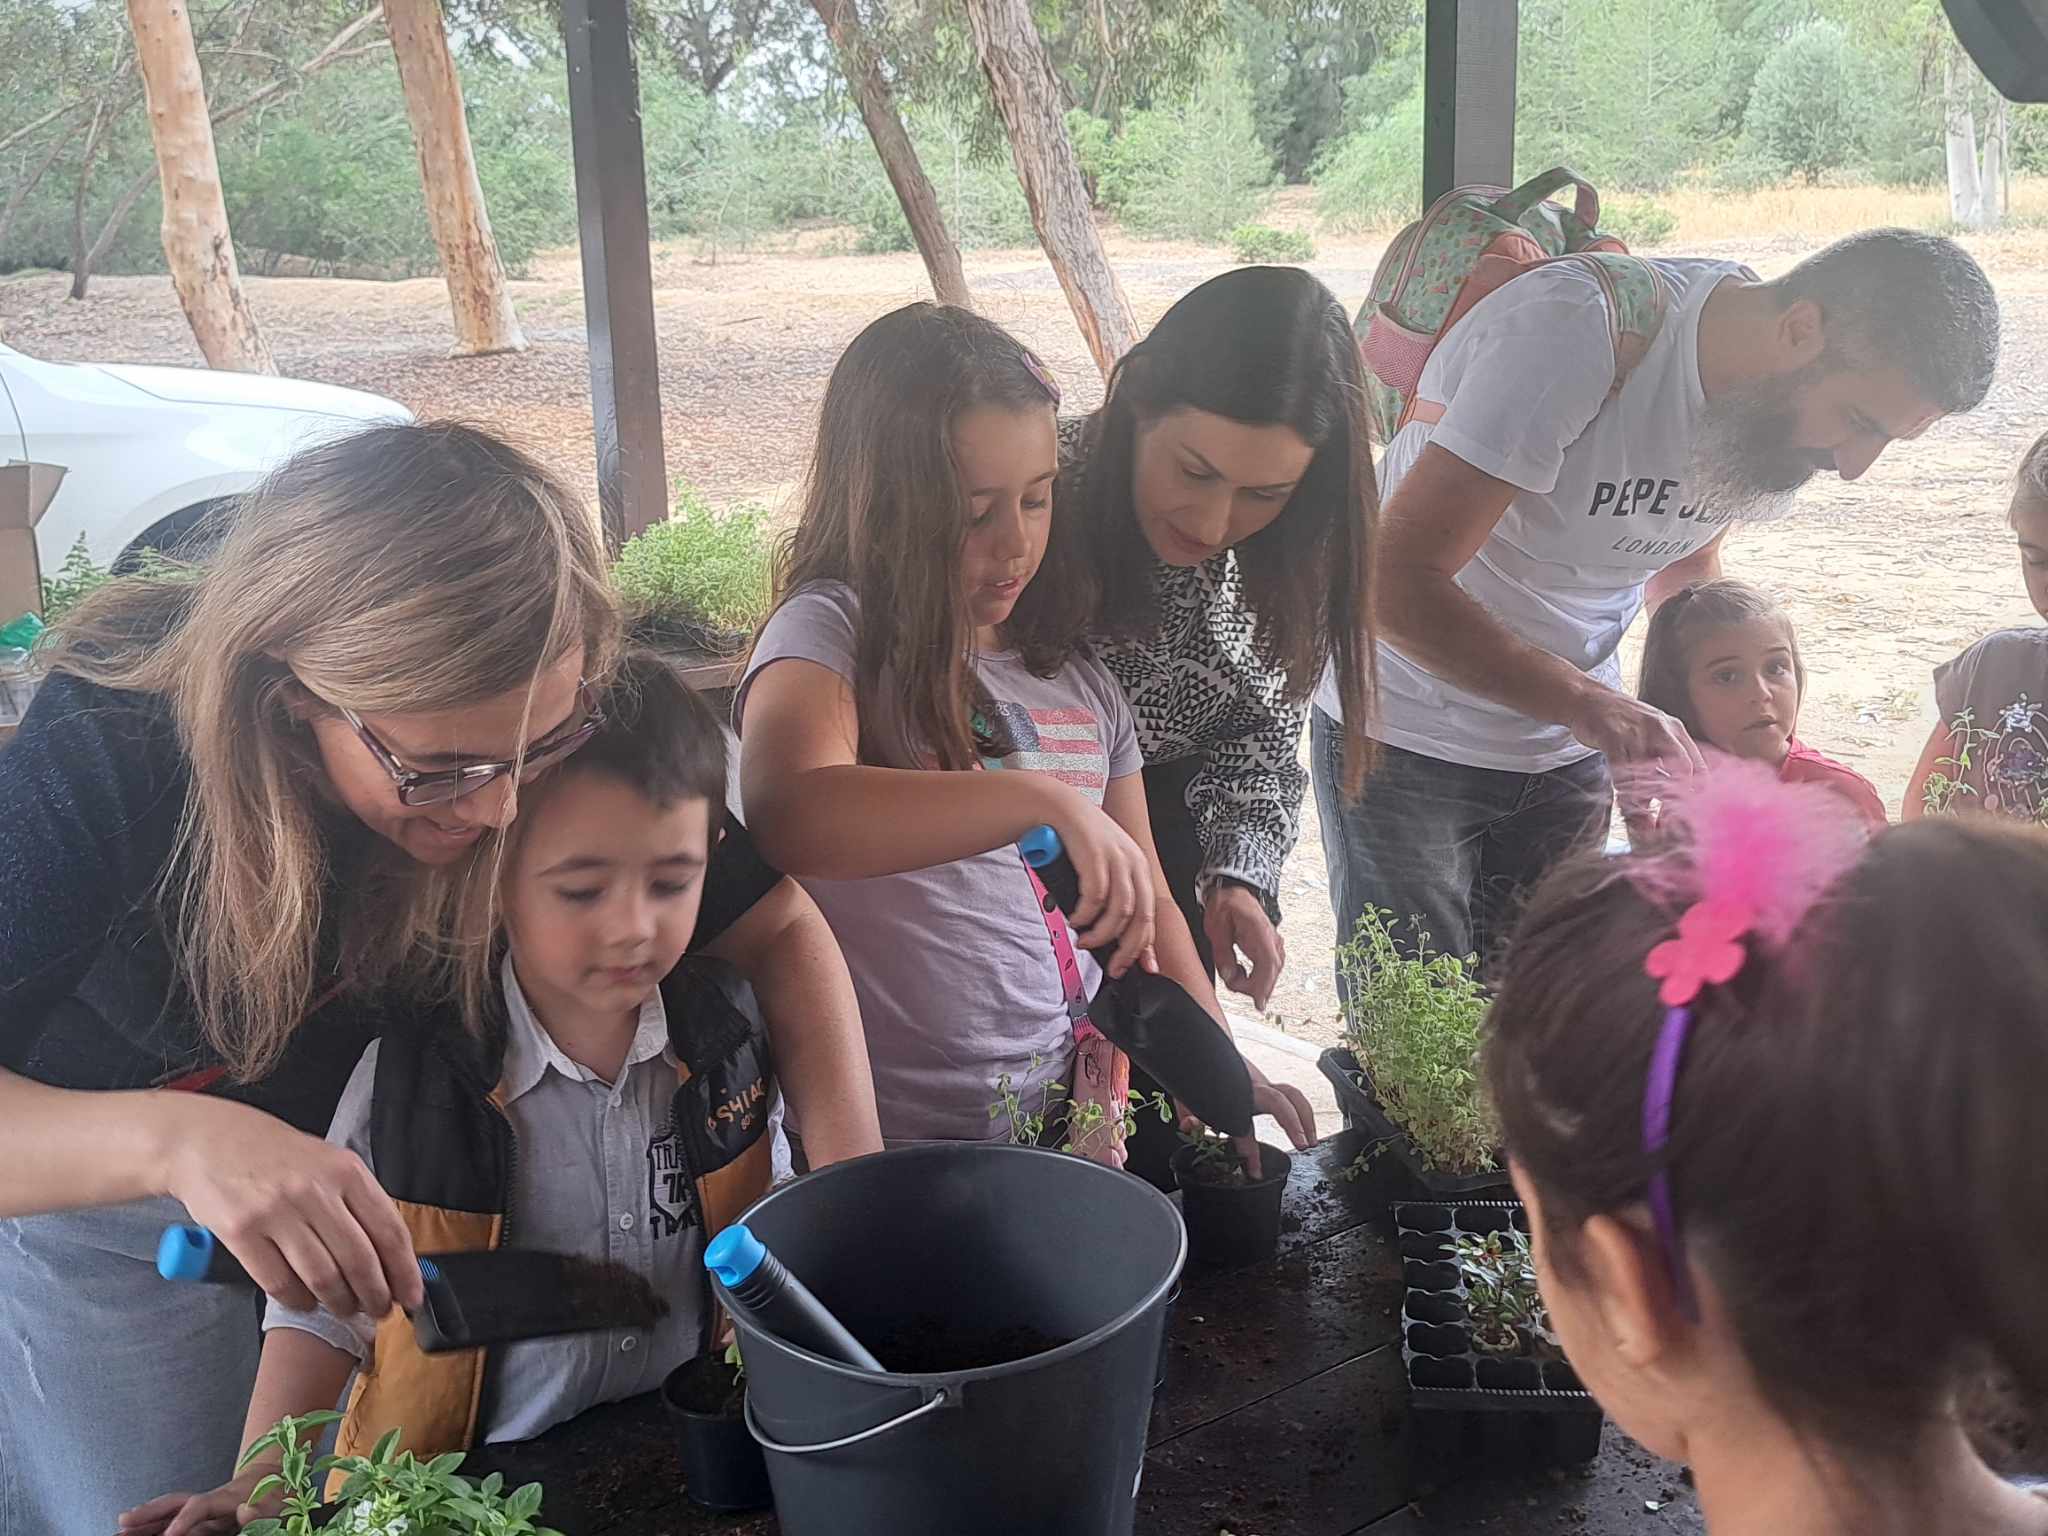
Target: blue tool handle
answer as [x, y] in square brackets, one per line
[759, 1285]
[193, 1254]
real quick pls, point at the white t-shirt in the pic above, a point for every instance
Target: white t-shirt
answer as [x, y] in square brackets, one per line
[1602, 502]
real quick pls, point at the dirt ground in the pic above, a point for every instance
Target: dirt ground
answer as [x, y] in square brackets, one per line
[1885, 577]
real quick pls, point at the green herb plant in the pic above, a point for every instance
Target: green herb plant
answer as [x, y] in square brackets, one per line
[75, 580]
[1949, 782]
[386, 1493]
[1502, 1302]
[1414, 1019]
[1215, 1160]
[701, 567]
[1084, 1123]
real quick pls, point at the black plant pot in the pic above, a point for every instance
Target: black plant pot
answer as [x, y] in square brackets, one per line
[723, 1469]
[1231, 1225]
[1472, 1406]
[1396, 1168]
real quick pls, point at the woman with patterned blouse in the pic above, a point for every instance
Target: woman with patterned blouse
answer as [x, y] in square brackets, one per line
[1228, 491]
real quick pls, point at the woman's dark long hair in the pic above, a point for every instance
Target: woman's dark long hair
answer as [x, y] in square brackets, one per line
[1265, 346]
[884, 512]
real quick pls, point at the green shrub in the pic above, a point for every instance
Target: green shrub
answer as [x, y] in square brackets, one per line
[979, 195]
[1372, 176]
[1637, 220]
[700, 566]
[1813, 108]
[1192, 170]
[1414, 1021]
[1263, 243]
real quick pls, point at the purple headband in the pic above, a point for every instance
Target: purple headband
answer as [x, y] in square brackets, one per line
[1708, 950]
[1042, 374]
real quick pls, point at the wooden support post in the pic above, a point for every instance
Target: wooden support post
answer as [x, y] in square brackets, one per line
[1468, 103]
[618, 282]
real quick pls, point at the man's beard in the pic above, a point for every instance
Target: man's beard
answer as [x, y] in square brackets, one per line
[1745, 466]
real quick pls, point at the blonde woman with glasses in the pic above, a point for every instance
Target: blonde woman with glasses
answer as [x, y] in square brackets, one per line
[250, 823]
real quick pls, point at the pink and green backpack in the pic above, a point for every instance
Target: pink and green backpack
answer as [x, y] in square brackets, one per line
[1472, 240]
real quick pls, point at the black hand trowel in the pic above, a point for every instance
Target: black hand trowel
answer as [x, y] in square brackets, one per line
[494, 1296]
[1151, 1018]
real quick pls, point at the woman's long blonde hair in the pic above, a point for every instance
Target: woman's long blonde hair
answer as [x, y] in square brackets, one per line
[402, 569]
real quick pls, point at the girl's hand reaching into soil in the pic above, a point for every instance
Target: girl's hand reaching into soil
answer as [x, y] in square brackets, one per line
[308, 1221]
[1286, 1103]
[220, 1513]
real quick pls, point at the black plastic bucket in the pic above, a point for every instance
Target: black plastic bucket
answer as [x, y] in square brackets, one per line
[970, 1242]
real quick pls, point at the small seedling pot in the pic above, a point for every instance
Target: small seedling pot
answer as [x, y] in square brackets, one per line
[1233, 1224]
[723, 1468]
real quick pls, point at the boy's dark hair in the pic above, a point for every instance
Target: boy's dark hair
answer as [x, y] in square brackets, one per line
[659, 737]
[2032, 479]
[1268, 346]
[1905, 299]
[884, 512]
[1662, 681]
[1852, 1157]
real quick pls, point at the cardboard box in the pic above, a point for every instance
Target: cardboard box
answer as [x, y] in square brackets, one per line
[26, 491]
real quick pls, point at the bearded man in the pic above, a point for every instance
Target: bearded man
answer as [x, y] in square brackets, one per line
[1536, 506]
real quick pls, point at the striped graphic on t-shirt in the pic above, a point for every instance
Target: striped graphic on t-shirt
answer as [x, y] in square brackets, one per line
[1066, 743]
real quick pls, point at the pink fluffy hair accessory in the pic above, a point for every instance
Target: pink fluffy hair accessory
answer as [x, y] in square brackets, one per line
[1753, 851]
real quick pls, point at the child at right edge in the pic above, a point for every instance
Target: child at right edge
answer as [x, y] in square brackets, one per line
[1989, 748]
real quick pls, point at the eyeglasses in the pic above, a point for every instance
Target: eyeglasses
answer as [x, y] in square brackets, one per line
[439, 786]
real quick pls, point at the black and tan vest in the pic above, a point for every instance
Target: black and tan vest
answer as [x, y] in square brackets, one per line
[443, 1149]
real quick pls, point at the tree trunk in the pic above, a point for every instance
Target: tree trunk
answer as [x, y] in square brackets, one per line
[477, 296]
[81, 263]
[197, 244]
[1027, 94]
[1992, 174]
[1965, 188]
[863, 70]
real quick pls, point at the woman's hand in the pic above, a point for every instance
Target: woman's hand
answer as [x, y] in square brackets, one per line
[307, 1220]
[220, 1513]
[1117, 897]
[1235, 922]
[1283, 1101]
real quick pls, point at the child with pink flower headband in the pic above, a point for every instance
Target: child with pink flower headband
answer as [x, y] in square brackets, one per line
[1772, 1097]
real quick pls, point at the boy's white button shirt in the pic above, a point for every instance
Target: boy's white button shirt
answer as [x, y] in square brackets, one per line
[598, 1175]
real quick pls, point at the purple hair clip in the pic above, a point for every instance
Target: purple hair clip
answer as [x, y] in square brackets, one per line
[1708, 950]
[1042, 374]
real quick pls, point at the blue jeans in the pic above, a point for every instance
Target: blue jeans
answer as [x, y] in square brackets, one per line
[115, 1385]
[1451, 848]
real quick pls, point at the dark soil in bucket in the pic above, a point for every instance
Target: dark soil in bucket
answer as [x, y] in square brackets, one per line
[1232, 1220]
[723, 1468]
[926, 1346]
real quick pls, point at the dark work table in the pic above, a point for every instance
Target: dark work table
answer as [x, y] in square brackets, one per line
[1284, 1414]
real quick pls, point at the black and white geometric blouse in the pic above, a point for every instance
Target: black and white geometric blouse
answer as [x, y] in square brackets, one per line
[1197, 685]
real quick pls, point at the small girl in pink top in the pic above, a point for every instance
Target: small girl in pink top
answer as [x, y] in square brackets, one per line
[1721, 657]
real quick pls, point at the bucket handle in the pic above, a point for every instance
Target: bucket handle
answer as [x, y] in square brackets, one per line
[939, 1399]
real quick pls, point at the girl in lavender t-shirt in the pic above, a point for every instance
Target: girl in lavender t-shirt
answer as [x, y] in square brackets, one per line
[928, 625]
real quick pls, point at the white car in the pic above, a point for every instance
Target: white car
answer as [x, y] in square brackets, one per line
[147, 452]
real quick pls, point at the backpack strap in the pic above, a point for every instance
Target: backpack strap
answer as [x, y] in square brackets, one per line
[1636, 298]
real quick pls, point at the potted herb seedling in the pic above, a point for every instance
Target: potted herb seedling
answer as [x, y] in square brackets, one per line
[1503, 1306]
[1232, 1218]
[389, 1490]
[696, 586]
[723, 1467]
[1408, 1073]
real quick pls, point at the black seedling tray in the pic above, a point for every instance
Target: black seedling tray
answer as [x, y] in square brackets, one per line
[1505, 1409]
[1397, 1169]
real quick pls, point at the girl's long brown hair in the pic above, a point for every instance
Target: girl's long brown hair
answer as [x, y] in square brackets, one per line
[399, 570]
[884, 512]
[1266, 346]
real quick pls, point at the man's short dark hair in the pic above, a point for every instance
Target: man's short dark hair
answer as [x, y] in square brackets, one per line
[1905, 299]
[659, 737]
